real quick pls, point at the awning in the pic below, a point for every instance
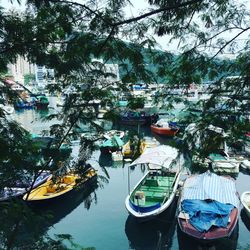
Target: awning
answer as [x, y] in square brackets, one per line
[210, 186]
[162, 155]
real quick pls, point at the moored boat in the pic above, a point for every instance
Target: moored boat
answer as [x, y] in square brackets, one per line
[109, 134]
[245, 200]
[155, 192]
[133, 118]
[208, 207]
[111, 145]
[54, 189]
[19, 188]
[245, 164]
[222, 163]
[42, 102]
[163, 127]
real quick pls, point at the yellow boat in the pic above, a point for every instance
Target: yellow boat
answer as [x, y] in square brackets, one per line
[54, 189]
[145, 143]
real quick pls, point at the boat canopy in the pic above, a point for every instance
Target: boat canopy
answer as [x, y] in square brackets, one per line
[114, 141]
[210, 186]
[162, 155]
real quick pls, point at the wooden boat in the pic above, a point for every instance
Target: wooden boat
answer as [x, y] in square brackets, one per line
[21, 187]
[52, 190]
[163, 127]
[155, 192]
[208, 206]
[245, 200]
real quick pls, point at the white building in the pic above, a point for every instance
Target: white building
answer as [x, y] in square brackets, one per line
[21, 68]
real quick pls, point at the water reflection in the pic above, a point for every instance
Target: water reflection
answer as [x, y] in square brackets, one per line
[188, 243]
[56, 211]
[153, 234]
[245, 219]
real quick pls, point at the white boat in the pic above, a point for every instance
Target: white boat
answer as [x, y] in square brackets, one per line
[245, 200]
[20, 188]
[221, 163]
[245, 164]
[7, 109]
[155, 192]
[110, 134]
[117, 156]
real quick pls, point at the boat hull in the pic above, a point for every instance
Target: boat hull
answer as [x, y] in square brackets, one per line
[245, 200]
[212, 234]
[163, 131]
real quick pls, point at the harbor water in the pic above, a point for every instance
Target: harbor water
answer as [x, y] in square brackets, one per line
[97, 218]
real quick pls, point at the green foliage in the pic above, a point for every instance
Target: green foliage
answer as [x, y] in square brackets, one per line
[136, 103]
[28, 78]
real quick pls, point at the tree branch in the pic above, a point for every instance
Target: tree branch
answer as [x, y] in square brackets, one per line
[134, 19]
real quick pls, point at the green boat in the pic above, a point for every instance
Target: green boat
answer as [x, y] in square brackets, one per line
[156, 191]
[112, 145]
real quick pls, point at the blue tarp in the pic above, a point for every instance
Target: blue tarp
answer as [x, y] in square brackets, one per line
[205, 214]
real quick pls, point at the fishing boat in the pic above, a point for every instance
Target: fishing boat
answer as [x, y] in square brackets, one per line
[54, 189]
[208, 206]
[19, 188]
[155, 192]
[163, 127]
[245, 200]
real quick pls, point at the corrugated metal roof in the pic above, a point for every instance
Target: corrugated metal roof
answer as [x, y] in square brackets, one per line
[210, 186]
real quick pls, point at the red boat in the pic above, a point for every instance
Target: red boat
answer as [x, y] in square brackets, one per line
[208, 207]
[163, 127]
[214, 232]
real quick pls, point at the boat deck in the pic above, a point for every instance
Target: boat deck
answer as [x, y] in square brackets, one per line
[154, 189]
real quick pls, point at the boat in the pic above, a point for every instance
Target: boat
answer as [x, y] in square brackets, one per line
[7, 109]
[111, 133]
[163, 127]
[42, 102]
[208, 206]
[111, 145]
[245, 200]
[133, 118]
[19, 188]
[23, 104]
[221, 163]
[59, 187]
[245, 164]
[128, 151]
[155, 192]
[117, 156]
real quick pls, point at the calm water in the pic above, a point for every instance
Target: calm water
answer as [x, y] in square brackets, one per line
[98, 218]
